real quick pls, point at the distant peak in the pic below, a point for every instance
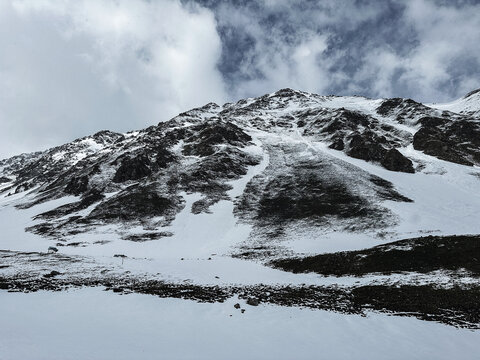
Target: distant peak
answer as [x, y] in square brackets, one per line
[104, 132]
[286, 92]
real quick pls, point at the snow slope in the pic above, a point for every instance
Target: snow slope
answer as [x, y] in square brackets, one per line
[144, 327]
[468, 105]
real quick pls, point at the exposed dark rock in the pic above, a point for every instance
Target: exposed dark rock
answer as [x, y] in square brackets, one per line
[214, 132]
[365, 146]
[353, 118]
[395, 161]
[76, 244]
[52, 274]
[315, 190]
[433, 122]
[337, 144]
[368, 146]
[456, 141]
[88, 199]
[471, 93]
[47, 166]
[136, 203]
[286, 92]
[148, 236]
[225, 164]
[253, 301]
[209, 174]
[429, 142]
[335, 122]
[203, 205]
[43, 229]
[133, 169]
[316, 199]
[424, 254]
[107, 137]
[77, 185]
[164, 157]
[424, 302]
[387, 106]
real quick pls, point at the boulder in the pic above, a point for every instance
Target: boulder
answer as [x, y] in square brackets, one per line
[395, 161]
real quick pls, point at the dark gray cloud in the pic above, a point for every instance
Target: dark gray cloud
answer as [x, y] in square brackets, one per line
[70, 68]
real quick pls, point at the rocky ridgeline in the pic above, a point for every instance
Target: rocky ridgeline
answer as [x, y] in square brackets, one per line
[143, 175]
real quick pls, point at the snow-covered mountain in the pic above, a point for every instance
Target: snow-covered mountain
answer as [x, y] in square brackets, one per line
[242, 198]
[468, 105]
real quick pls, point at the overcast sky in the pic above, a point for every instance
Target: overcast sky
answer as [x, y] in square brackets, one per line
[71, 68]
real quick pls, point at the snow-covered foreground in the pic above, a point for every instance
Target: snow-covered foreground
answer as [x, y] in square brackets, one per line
[93, 324]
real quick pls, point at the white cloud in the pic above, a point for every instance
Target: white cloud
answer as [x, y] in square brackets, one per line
[291, 51]
[434, 68]
[380, 66]
[69, 68]
[447, 35]
[275, 61]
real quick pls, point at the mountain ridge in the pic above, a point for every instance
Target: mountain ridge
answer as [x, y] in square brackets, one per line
[212, 104]
[200, 150]
[218, 196]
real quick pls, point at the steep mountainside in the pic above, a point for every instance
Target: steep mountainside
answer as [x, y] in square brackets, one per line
[219, 195]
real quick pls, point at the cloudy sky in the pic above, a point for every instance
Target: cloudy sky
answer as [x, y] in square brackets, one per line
[71, 68]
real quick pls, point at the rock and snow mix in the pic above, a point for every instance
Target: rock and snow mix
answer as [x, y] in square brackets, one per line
[269, 200]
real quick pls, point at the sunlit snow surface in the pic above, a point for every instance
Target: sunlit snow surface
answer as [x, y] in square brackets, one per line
[469, 104]
[92, 324]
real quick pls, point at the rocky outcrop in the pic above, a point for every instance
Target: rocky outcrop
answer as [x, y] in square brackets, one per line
[395, 161]
[368, 146]
[133, 169]
[205, 137]
[137, 203]
[4, 179]
[77, 185]
[144, 175]
[454, 141]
